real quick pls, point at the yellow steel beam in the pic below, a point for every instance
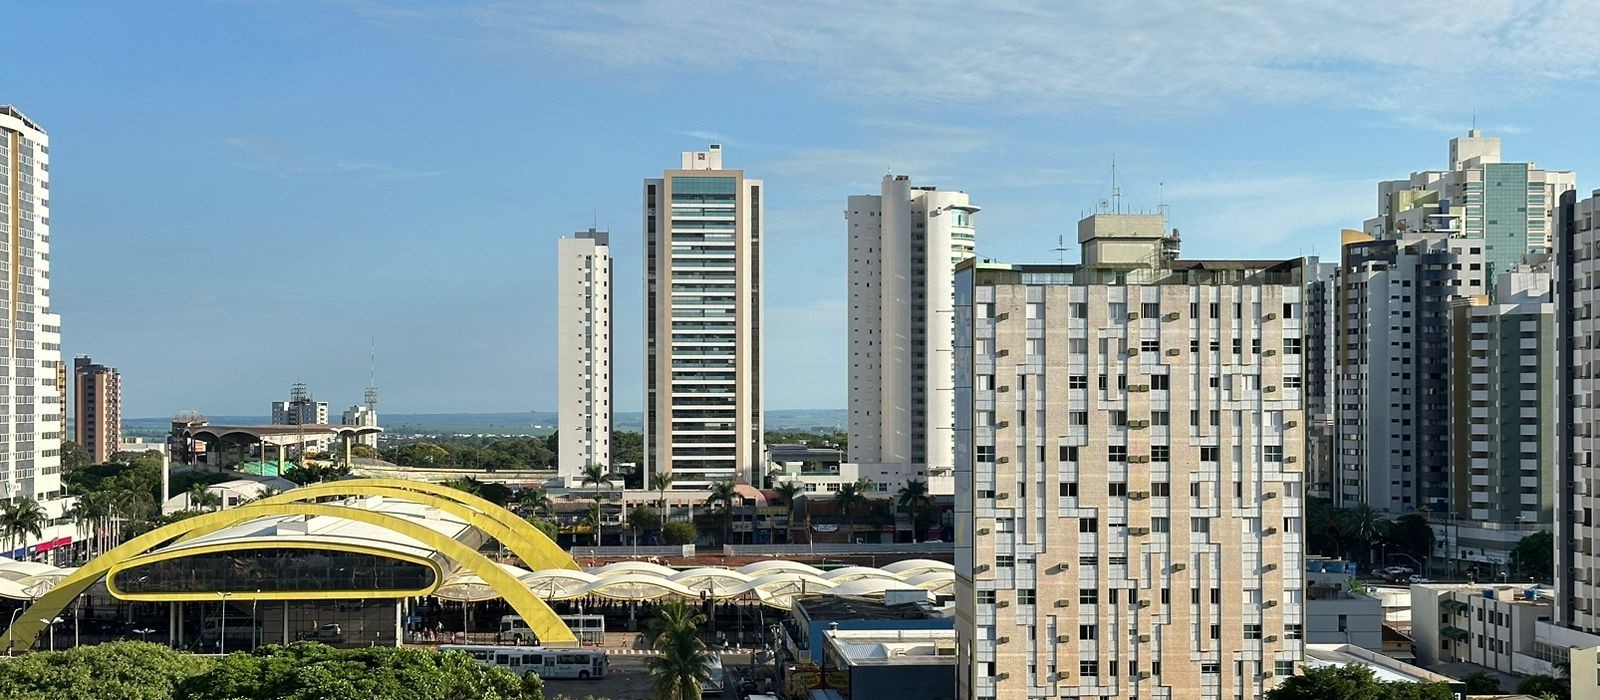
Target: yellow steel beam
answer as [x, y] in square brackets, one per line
[523, 539]
[538, 615]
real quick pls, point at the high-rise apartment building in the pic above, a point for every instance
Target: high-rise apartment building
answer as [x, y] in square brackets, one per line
[1502, 420]
[1321, 321]
[1130, 443]
[1510, 207]
[1392, 358]
[583, 352]
[1577, 507]
[904, 244]
[703, 323]
[362, 415]
[97, 408]
[32, 401]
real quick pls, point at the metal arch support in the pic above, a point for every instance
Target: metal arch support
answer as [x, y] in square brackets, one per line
[540, 618]
[529, 543]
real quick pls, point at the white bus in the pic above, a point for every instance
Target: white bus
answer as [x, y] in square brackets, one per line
[544, 663]
[713, 684]
[589, 629]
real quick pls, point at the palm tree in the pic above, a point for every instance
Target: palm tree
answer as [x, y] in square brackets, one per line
[660, 482]
[1364, 524]
[911, 499]
[683, 664]
[596, 474]
[789, 491]
[20, 520]
[538, 501]
[200, 498]
[722, 497]
[850, 497]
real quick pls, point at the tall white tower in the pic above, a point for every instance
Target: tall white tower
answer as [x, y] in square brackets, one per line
[32, 401]
[904, 245]
[703, 334]
[583, 353]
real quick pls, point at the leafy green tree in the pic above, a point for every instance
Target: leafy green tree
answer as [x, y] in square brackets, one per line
[790, 492]
[303, 474]
[1541, 686]
[308, 670]
[548, 528]
[132, 670]
[1480, 683]
[364, 451]
[498, 494]
[537, 501]
[1410, 534]
[1352, 682]
[914, 499]
[202, 499]
[73, 456]
[419, 454]
[643, 519]
[627, 447]
[678, 533]
[1535, 555]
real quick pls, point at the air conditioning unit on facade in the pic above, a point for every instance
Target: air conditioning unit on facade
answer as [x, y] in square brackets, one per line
[1172, 315]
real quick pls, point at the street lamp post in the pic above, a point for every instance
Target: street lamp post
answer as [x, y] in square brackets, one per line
[222, 630]
[255, 627]
[51, 622]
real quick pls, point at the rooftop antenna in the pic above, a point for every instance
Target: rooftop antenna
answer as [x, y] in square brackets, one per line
[1116, 190]
[1061, 249]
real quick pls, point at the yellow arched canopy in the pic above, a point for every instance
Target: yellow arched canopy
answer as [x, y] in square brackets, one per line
[540, 618]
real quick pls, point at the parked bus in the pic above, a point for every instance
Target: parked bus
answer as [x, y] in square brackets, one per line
[713, 684]
[589, 629]
[539, 661]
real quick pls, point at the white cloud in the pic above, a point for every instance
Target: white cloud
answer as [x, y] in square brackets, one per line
[1038, 55]
[1267, 216]
[267, 155]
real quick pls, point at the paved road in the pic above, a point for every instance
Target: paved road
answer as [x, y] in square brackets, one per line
[629, 679]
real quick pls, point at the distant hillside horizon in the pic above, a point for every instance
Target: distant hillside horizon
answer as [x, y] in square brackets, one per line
[513, 422]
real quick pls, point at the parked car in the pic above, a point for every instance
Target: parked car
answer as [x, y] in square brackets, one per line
[330, 632]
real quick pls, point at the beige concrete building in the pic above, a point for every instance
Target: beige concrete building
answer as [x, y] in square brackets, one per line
[904, 244]
[96, 408]
[1130, 444]
[703, 332]
[583, 352]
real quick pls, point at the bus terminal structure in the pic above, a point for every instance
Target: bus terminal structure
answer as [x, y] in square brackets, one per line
[346, 561]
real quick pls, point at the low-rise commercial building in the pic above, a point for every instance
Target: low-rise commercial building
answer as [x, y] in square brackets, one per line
[876, 664]
[1487, 625]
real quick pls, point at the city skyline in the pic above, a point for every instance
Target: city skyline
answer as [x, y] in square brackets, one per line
[323, 196]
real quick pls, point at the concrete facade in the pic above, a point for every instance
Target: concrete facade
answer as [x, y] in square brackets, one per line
[1577, 301]
[904, 244]
[32, 401]
[1487, 625]
[1130, 445]
[703, 228]
[1321, 340]
[361, 414]
[1393, 363]
[1509, 207]
[583, 351]
[96, 408]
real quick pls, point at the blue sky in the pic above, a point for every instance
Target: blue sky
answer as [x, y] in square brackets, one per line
[246, 193]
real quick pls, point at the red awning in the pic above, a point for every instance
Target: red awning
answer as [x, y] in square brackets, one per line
[52, 544]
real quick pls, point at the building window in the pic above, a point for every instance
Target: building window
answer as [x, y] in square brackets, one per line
[986, 597]
[1159, 524]
[1117, 488]
[1150, 346]
[1273, 453]
[1344, 623]
[1150, 310]
[1209, 454]
[1078, 418]
[1291, 346]
[1160, 382]
[1117, 453]
[1088, 631]
[1211, 669]
[985, 453]
[1252, 631]
[1069, 489]
[1119, 419]
[1026, 596]
[1089, 669]
[1078, 381]
[1005, 561]
[1069, 454]
[1160, 489]
[1160, 453]
[1282, 668]
[1291, 632]
[1088, 524]
[1088, 596]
